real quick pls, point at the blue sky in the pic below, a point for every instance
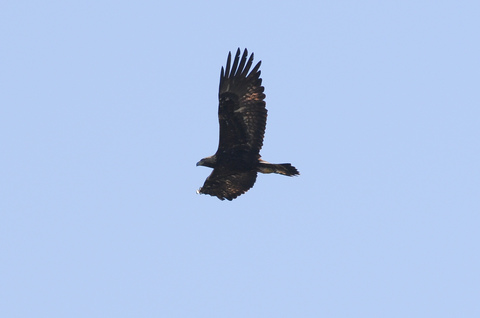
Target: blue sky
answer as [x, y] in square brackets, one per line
[106, 106]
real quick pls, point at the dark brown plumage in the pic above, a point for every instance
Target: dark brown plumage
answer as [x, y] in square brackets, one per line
[242, 116]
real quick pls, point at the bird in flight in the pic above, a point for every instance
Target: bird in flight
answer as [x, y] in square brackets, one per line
[242, 116]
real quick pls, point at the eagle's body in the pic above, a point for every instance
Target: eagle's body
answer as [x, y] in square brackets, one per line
[242, 116]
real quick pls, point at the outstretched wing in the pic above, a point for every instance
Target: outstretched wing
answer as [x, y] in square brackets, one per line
[241, 112]
[227, 185]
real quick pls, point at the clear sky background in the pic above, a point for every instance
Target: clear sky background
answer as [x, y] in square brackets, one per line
[106, 106]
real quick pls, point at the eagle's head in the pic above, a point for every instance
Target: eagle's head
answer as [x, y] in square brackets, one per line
[208, 162]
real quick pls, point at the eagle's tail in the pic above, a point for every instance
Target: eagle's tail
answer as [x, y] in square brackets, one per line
[281, 168]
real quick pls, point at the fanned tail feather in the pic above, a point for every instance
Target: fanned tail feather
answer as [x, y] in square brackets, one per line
[285, 169]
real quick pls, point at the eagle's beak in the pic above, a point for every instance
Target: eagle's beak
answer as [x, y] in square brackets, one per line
[198, 163]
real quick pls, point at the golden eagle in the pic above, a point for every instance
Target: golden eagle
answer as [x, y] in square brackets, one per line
[242, 116]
